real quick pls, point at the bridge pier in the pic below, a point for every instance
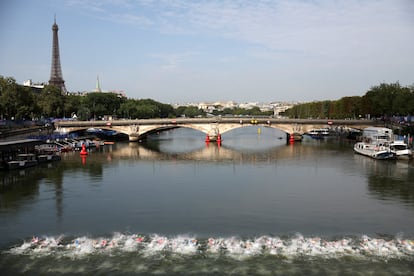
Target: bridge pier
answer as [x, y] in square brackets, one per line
[294, 137]
[133, 138]
[213, 138]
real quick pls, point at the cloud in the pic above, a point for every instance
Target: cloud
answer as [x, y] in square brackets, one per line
[275, 43]
[172, 61]
[308, 26]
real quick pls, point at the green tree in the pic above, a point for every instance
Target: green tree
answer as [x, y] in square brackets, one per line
[128, 109]
[25, 103]
[72, 104]
[349, 107]
[380, 98]
[166, 110]
[101, 104]
[16, 101]
[51, 102]
[179, 111]
[380, 101]
[147, 111]
[403, 102]
[84, 113]
[8, 91]
[193, 111]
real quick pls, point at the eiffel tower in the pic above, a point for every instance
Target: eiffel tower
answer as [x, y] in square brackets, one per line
[56, 77]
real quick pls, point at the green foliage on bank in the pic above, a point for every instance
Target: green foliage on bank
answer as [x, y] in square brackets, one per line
[380, 101]
[21, 103]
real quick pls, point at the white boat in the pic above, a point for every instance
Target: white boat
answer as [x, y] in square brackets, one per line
[401, 149]
[318, 133]
[377, 134]
[376, 150]
[375, 143]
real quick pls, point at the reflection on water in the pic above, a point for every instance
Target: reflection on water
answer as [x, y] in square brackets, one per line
[250, 193]
[391, 180]
[386, 180]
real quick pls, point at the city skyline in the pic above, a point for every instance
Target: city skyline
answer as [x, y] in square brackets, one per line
[204, 51]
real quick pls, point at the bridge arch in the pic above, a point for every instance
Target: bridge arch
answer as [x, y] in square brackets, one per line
[138, 129]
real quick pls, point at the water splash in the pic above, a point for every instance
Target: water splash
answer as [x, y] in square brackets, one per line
[234, 247]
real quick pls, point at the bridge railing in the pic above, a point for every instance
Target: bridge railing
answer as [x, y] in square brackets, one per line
[232, 120]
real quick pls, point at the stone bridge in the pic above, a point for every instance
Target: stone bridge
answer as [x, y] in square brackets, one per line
[139, 129]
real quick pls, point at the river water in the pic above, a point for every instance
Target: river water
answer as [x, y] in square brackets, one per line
[176, 206]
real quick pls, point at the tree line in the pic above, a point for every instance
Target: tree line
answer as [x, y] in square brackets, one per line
[382, 101]
[21, 103]
[18, 102]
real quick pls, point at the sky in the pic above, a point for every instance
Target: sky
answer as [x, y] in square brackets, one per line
[178, 51]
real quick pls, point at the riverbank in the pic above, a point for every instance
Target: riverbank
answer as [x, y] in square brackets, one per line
[19, 133]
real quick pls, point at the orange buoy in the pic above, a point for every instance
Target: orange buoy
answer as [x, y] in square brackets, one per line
[83, 151]
[219, 138]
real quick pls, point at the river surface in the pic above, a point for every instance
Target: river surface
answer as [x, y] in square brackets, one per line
[176, 206]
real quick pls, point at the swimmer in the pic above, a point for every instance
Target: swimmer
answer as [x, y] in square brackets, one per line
[104, 242]
[35, 239]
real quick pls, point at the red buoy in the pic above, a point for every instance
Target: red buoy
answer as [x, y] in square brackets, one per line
[207, 138]
[83, 151]
[291, 138]
[218, 138]
[83, 159]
